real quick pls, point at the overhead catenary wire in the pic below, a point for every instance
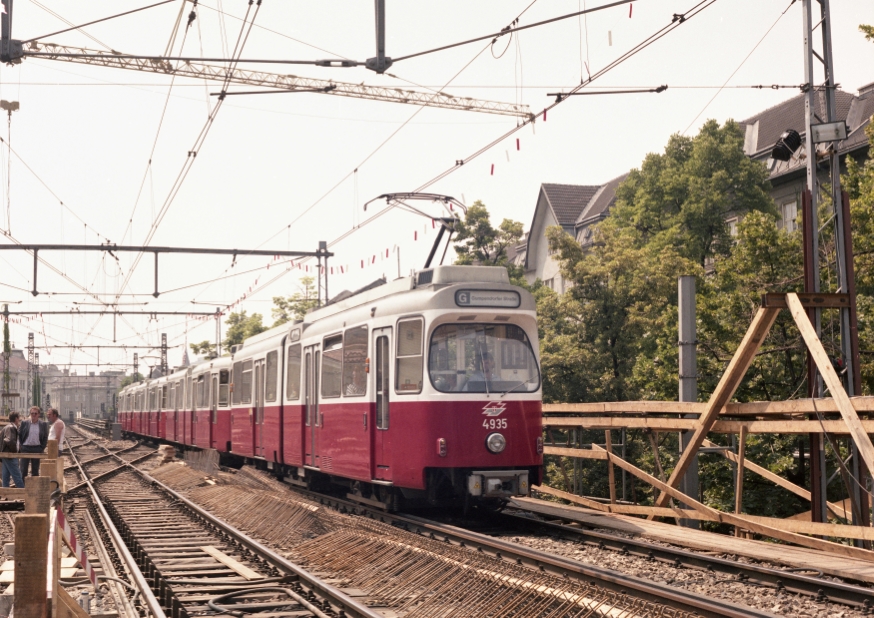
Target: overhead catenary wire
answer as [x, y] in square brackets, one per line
[97, 21]
[733, 73]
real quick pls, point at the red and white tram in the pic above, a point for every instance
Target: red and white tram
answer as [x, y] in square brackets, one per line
[425, 389]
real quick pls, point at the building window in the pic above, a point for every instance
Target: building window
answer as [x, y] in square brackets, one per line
[789, 212]
[732, 227]
[550, 283]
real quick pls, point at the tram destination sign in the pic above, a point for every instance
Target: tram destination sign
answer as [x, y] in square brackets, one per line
[487, 298]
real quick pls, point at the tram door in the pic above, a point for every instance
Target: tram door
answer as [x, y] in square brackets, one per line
[311, 397]
[258, 449]
[382, 388]
[213, 407]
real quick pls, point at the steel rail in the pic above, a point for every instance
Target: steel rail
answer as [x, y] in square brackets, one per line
[349, 605]
[550, 563]
[823, 589]
[139, 579]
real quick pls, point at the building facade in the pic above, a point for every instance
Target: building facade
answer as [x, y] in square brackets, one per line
[577, 208]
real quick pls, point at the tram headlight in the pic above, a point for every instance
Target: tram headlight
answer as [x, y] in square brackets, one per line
[496, 443]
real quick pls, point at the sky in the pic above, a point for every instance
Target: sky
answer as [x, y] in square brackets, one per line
[97, 153]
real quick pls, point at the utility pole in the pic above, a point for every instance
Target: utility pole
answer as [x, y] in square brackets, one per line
[688, 379]
[164, 368]
[7, 353]
[29, 371]
[136, 367]
[820, 98]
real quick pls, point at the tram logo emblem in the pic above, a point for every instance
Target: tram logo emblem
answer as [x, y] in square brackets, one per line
[494, 408]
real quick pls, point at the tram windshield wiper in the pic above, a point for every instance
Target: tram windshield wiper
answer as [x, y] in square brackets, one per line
[510, 390]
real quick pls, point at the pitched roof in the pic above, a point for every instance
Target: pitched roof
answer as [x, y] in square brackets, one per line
[773, 121]
[568, 201]
[601, 201]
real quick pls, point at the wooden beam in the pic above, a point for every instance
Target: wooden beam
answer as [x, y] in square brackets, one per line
[831, 379]
[780, 300]
[52, 449]
[789, 525]
[38, 489]
[836, 426]
[611, 478]
[753, 408]
[574, 452]
[779, 480]
[739, 482]
[31, 566]
[744, 522]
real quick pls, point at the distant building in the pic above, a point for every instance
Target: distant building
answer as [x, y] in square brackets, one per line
[92, 395]
[576, 208]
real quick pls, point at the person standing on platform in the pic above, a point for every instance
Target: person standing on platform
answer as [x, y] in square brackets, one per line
[9, 444]
[57, 429]
[33, 435]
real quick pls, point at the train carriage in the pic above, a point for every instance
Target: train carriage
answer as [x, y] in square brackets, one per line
[256, 416]
[426, 389]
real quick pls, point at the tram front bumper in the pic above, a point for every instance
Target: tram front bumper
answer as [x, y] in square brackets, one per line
[498, 483]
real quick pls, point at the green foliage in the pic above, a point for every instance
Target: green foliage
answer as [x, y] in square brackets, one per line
[859, 184]
[868, 31]
[205, 347]
[36, 391]
[241, 327]
[613, 335]
[682, 198]
[128, 380]
[478, 242]
[295, 307]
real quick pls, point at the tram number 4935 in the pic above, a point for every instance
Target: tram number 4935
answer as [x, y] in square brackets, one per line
[495, 423]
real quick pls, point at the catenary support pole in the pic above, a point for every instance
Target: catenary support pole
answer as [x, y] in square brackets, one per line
[688, 378]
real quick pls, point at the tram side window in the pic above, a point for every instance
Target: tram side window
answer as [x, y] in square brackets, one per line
[172, 397]
[246, 385]
[292, 379]
[199, 392]
[272, 373]
[238, 382]
[224, 386]
[408, 376]
[164, 396]
[332, 366]
[152, 400]
[354, 358]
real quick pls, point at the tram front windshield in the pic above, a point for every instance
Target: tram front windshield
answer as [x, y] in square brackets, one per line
[482, 358]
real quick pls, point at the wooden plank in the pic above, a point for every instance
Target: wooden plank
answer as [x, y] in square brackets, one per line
[744, 522]
[679, 424]
[739, 482]
[52, 449]
[38, 494]
[611, 478]
[31, 532]
[779, 480]
[753, 408]
[706, 541]
[68, 607]
[818, 300]
[22, 456]
[574, 452]
[239, 568]
[831, 379]
[789, 525]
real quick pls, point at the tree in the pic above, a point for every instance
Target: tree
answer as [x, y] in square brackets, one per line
[241, 327]
[205, 347]
[296, 306]
[36, 391]
[859, 183]
[128, 380]
[682, 198]
[478, 242]
[868, 31]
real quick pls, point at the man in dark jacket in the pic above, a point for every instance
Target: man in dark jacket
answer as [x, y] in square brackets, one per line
[33, 436]
[9, 444]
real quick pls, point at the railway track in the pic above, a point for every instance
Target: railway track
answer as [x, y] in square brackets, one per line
[186, 563]
[663, 596]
